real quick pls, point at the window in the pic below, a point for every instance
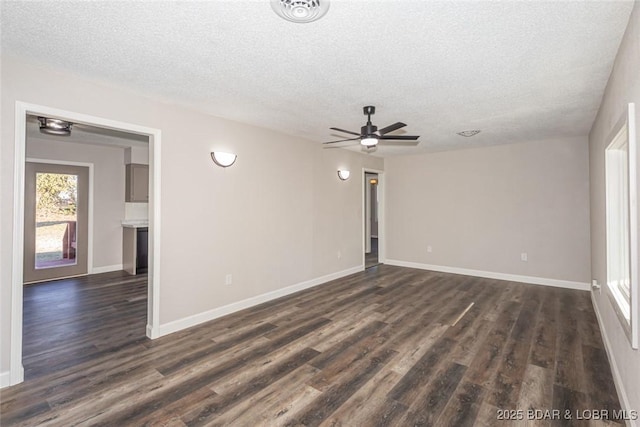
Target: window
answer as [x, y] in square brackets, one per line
[622, 235]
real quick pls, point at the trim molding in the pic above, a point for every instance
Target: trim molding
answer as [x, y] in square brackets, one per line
[155, 136]
[493, 275]
[91, 167]
[106, 269]
[617, 378]
[187, 322]
[382, 219]
[5, 377]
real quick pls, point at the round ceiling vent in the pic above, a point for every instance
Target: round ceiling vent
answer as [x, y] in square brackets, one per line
[300, 11]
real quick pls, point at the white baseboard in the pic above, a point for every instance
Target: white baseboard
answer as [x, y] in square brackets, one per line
[152, 333]
[187, 322]
[5, 379]
[106, 269]
[617, 378]
[492, 275]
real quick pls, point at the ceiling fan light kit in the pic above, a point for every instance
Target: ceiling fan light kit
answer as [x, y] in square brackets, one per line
[369, 135]
[369, 142]
[300, 11]
[55, 126]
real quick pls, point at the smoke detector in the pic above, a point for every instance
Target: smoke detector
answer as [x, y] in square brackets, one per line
[468, 133]
[300, 11]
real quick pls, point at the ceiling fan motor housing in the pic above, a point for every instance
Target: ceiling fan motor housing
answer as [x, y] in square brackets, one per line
[368, 129]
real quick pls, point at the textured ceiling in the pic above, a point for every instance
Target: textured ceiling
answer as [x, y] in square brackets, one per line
[516, 70]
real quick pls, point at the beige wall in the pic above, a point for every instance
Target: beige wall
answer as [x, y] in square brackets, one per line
[623, 87]
[479, 209]
[213, 219]
[108, 191]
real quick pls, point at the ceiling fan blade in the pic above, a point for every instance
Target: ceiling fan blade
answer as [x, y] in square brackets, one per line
[345, 131]
[400, 137]
[391, 128]
[342, 140]
[392, 143]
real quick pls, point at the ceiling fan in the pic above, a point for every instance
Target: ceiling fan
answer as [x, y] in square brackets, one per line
[369, 135]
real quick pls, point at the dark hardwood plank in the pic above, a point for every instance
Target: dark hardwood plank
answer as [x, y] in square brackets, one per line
[464, 405]
[333, 397]
[426, 409]
[505, 389]
[544, 346]
[387, 346]
[370, 404]
[536, 393]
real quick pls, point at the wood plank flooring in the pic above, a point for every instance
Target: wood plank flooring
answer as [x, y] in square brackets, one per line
[385, 347]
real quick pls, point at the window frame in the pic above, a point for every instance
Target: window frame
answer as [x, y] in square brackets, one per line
[623, 296]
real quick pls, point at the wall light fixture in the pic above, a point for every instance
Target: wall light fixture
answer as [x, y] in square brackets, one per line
[223, 159]
[344, 174]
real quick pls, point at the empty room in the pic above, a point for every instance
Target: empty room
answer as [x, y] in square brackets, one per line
[319, 212]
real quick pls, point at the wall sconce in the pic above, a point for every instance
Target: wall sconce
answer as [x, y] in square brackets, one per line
[343, 174]
[223, 159]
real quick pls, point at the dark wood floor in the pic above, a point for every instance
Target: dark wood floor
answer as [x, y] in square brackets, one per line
[388, 346]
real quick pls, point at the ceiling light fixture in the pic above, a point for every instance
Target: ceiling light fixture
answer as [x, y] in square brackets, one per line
[300, 11]
[55, 126]
[369, 141]
[468, 133]
[344, 174]
[223, 159]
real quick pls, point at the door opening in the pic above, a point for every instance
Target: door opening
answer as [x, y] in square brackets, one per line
[55, 221]
[68, 253]
[371, 208]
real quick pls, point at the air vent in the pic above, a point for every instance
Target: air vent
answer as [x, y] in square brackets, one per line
[300, 11]
[468, 133]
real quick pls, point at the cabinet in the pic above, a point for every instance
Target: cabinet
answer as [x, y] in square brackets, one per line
[137, 183]
[135, 248]
[142, 249]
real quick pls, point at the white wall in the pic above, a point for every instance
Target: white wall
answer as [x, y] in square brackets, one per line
[479, 209]
[213, 219]
[623, 87]
[108, 192]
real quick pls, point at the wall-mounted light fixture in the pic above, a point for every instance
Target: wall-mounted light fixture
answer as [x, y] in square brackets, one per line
[344, 174]
[223, 159]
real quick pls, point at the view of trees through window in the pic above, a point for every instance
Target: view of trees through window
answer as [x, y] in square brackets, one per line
[56, 204]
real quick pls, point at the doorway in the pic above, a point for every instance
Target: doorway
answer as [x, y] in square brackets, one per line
[56, 218]
[22, 112]
[371, 219]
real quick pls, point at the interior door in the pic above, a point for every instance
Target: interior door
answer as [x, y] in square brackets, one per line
[56, 206]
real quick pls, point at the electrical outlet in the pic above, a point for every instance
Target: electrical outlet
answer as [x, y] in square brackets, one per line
[596, 286]
[339, 254]
[429, 249]
[523, 257]
[228, 279]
